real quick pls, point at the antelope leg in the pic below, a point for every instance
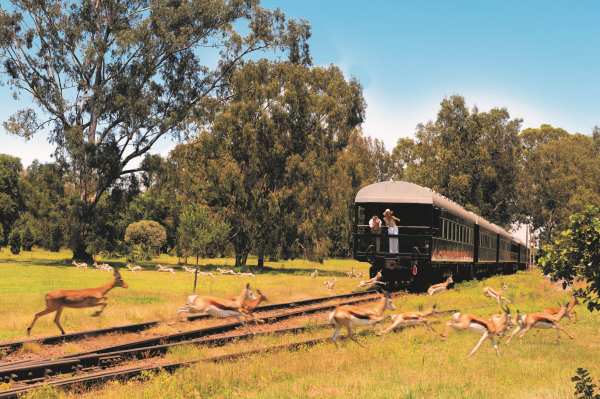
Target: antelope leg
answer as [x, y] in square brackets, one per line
[483, 337]
[37, 316]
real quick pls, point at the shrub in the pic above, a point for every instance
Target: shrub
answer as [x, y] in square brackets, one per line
[27, 239]
[2, 242]
[584, 386]
[14, 241]
[145, 238]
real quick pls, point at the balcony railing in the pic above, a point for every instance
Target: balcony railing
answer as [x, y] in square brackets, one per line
[402, 241]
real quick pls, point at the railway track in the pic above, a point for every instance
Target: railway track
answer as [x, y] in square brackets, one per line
[98, 377]
[13, 346]
[35, 372]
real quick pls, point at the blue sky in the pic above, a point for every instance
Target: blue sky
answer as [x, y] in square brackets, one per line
[539, 59]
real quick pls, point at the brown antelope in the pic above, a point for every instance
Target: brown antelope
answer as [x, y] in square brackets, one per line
[526, 322]
[82, 265]
[349, 316]
[314, 274]
[164, 269]
[570, 314]
[491, 328]
[434, 289]
[226, 271]
[218, 307]
[407, 319]
[251, 304]
[133, 268]
[330, 284]
[372, 282]
[497, 295]
[57, 300]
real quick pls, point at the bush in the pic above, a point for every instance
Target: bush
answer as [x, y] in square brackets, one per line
[27, 239]
[14, 240]
[2, 242]
[145, 238]
[584, 386]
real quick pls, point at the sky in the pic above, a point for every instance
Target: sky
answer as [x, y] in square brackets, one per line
[538, 59]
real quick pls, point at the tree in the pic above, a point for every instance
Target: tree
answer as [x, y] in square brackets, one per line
[14, 241]
[27, 239]
[11, 201]
[559, 177]
[145, 238]
[470, 156]
[110, 78]
[2, 240]
[267, 162]
[200, 232]
[575, 253]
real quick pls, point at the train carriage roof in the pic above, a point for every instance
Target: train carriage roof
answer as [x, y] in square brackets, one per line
[402, 192]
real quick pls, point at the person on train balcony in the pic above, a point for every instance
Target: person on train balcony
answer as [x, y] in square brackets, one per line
[375, 226]
[392, 229]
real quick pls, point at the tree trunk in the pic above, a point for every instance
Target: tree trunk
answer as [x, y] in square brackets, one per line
[261, 259]
[82, 219]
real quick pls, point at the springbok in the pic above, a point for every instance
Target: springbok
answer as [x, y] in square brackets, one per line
[526, 322]
[57, 300]
[134, 268]
[407, 319]
[492, 328]
[372, 282]
[314, 274]
[189, 269]
[570, 313]
[497, 295]
[434, 289]
[330, 284]
[218, 307]
[226, 271]
[248, 274]
[349, 316]
[164, 269]
[82, 265]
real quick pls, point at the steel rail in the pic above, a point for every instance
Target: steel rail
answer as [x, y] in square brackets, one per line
[12, 346]
[140, 349]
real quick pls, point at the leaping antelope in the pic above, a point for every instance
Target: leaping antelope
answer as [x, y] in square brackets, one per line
[57, 300]
[349, 316]
[330, 284]
[134, 268]
[407, 319]
[492, 328]
[570, 313]
[434, 289]
[218, 307]
[497, 295]
[372, 282]
[164, 269]
[526, 322]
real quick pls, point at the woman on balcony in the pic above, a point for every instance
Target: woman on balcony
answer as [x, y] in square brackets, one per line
[392, 229]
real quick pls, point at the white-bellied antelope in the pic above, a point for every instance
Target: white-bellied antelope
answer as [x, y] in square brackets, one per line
[314, 274]
[134, 268]
[247, 274]
[330, 284]
[81, 265]
[164, 269]
[189, 269]
[496, 295]
[434, 289]
[226, 271]
[408, 319]
[570, 313]
[492, 328]
[218, 307]
[372, 282]
[353, 274]
[349, 316]
[57, 300]
[526, 322]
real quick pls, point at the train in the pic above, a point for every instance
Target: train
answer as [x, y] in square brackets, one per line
[435, 238]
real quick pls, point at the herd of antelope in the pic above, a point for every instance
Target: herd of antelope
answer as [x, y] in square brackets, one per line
[345, 316]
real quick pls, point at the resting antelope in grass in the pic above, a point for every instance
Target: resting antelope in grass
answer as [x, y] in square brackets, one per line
[372, 282]
[314, 274]
[82, 265]
[248, 274]
[407, 319]
[226, 271]
[491, 328]
[57, 300]
[218, 307]
[134, 268]
[526, 322]
[164, 269]
[349, 316]
[570, 313]
[434, 289]
[497, 295]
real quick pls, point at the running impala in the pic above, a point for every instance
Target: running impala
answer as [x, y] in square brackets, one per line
[349, 316]
[492, 328]
[526, 322]
[407, 319]
[434, 289]
[219, 307]
[497, 295]
[57, 300]
[570, 313]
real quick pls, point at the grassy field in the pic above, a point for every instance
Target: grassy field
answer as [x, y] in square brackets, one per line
[409, 364]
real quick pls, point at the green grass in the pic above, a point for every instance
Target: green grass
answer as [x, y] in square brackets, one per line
[409, 364]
